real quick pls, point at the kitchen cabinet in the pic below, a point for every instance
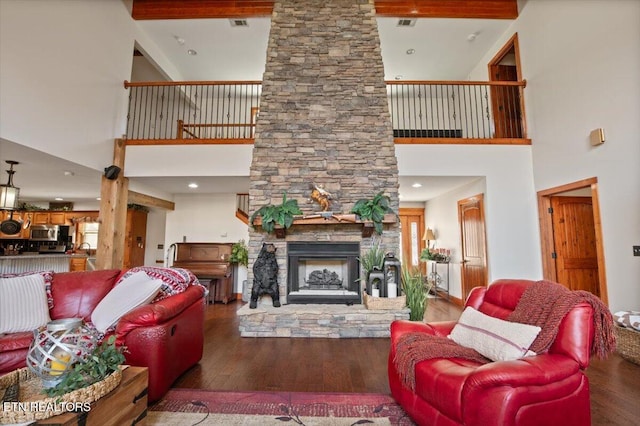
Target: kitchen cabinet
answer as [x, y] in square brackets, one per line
[135, 238]
[49, 218]
[77, 264]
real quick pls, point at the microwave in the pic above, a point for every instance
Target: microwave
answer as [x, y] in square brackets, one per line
[45, 232]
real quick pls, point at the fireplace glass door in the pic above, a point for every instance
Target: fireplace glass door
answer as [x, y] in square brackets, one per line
[323, 273]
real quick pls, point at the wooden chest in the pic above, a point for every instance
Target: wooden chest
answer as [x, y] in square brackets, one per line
[125, 405]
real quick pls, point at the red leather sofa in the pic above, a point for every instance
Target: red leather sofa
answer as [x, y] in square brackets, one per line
[166, 336]
[546, 389]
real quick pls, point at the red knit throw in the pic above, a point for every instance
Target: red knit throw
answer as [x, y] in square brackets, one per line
[544, 304]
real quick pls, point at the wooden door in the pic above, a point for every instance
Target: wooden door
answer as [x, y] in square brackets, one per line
[505, 102]
[473, 268]
[135, 238]
[411, 232]
[574, 241]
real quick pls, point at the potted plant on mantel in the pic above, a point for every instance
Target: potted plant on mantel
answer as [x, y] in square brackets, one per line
[277, 218]
[372, 211]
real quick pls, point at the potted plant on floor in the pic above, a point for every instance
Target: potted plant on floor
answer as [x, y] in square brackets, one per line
[416, 291]
[277, 218]
[372, 210]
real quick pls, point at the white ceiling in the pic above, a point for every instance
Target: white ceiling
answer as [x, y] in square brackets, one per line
[442, 47]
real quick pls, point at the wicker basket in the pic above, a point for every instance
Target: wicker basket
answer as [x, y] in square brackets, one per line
[34, 405]
[389, 303]
[628, 345]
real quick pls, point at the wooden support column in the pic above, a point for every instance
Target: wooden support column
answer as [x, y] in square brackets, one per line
[113, 214]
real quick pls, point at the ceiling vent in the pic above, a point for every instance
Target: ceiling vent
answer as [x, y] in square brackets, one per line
[239, 22]
[406, 22]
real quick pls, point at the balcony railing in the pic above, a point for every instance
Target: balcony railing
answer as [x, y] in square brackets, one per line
[422, 112]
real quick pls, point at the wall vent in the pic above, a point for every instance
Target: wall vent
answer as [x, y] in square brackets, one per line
[239, 22]
[406, 22]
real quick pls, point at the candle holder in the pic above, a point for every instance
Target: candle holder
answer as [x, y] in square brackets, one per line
[57, 346]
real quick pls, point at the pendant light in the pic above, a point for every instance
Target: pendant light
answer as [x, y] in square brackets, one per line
[9, 193]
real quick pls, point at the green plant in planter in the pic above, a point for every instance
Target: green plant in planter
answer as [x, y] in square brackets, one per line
[416, 292]
[239, 253]
[281, 214]
[103, 361]
[373, 209]
[371, 259]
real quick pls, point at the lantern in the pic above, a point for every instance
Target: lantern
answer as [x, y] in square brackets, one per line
[375, 282]
[57, 346]
[391, 269]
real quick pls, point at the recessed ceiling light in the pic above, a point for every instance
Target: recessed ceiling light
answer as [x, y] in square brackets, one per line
[399, 77]
[472, 36]
[58, 199]
[192, 52]
[417, 185]
[98, 198]
[411, 51]
[193, 185]
[179, 40]
[68, 173]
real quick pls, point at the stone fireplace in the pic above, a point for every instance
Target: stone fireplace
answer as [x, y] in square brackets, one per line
[323, 120]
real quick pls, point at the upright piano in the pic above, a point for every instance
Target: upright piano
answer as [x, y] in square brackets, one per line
[210, 263]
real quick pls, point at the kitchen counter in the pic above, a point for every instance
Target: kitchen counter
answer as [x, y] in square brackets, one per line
[33, 262]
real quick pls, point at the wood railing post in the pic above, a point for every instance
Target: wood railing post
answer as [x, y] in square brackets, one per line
[113, 214]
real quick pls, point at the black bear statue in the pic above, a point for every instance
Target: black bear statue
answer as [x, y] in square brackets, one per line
[265, 276]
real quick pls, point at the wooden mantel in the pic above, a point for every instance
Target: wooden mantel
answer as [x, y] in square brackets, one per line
[337, 219]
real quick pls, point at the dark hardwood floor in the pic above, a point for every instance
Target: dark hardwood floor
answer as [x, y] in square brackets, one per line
[234, 363]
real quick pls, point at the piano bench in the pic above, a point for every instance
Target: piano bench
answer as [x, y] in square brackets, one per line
[210, 284]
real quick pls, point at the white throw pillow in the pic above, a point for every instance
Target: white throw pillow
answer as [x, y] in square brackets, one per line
[496, 339]
[23, 303]
[136, 290]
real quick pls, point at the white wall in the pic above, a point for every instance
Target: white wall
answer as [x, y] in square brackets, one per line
[155, 236]
[441, 215]
[581, 60]
[513, 246]
[62, 68]
[206, 218]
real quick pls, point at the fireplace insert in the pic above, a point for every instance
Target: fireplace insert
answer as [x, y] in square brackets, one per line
[323, 272]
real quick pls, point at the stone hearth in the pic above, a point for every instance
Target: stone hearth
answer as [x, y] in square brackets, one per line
[329, 321]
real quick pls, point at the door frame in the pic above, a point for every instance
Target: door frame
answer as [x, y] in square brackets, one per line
[547, 245]
[512, 43]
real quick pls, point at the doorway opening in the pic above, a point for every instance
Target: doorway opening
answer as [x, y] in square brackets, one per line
[507, 102]
[571, 237]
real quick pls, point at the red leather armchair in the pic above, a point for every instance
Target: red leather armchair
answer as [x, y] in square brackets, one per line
[547, 389]
[167, 336]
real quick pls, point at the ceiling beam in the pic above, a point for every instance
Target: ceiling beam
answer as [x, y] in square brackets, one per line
[149, 201]
[473, 9]
[198, 9]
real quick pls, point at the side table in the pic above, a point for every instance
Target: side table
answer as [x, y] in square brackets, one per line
[125, 405]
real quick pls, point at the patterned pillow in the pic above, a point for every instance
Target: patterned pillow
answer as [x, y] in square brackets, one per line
[48, 277]
[174, 280]
[496, 339]
[629, 319]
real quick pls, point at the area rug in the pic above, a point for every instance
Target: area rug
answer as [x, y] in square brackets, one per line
[182, 407]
